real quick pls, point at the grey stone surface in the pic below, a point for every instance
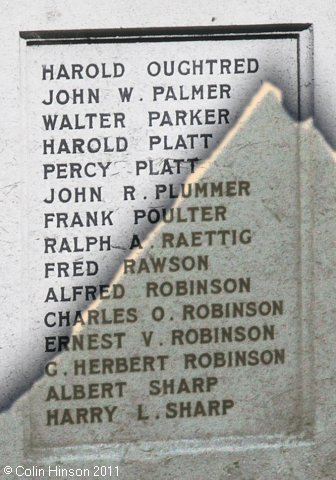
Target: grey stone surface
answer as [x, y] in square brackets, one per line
[309, 454]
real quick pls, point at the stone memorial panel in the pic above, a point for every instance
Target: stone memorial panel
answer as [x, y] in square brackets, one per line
[178, 277]
[114, 126]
